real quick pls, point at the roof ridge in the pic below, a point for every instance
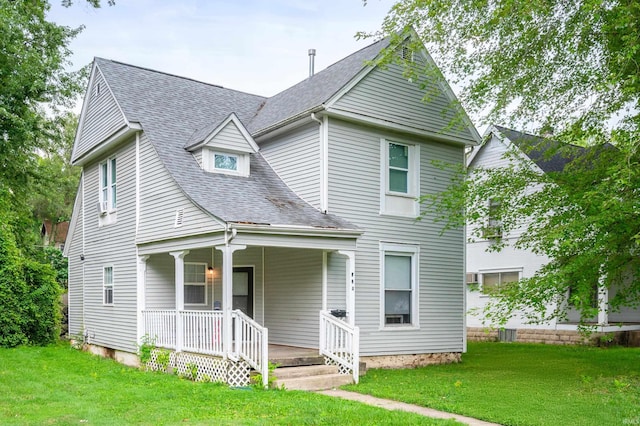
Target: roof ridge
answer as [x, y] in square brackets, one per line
[218, 86]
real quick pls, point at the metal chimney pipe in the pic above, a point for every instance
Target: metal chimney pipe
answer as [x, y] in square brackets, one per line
[312, 57]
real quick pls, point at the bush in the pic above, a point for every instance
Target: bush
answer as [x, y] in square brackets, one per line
[29, 295]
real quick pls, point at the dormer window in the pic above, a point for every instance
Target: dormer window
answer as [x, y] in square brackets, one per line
[225, 161]
[230, 163]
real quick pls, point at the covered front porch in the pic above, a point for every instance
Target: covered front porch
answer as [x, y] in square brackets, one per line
[229, 302]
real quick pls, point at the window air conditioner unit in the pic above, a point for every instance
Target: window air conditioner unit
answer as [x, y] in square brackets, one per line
[472, 278]
[102, 207]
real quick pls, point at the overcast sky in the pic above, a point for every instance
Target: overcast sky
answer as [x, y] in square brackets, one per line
[256, 46]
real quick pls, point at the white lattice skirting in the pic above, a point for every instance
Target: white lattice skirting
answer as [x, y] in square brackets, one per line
[202, 368]
[342, 369]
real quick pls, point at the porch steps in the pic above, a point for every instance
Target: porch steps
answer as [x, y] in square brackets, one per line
[310, 377]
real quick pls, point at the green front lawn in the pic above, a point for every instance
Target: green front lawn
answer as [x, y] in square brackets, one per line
[59, 385]
[523, 384]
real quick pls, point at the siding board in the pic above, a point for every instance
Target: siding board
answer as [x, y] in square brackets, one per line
[160, 198]
[388, 95]
[101, 119]
[293, 291]
[295, 157]
[354, 194]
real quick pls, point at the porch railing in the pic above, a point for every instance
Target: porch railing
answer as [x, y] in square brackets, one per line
[202, 333]
[251, 343]
[160, 325]
[340, 342]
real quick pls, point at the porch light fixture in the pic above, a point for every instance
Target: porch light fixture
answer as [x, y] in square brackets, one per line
[210, 269]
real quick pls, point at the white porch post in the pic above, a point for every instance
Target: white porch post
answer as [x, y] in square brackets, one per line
[603, 306]
[179, 281]
[324, 280]
[351, 285]
[227, 293]
[141, 293]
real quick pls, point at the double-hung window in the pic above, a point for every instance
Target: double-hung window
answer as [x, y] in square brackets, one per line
[398, 168]
[493, 230]
[399, 264]
[400, 178]
[107, 285]
[195, 283]
[108, 186]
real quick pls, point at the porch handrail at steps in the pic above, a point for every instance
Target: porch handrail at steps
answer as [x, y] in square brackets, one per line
[251, 343]
[340, 342]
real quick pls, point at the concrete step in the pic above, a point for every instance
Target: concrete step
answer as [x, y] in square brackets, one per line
[305, 371]
[313, 383]
[298, 361]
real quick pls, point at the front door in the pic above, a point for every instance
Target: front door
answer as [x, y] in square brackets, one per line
[243, 289]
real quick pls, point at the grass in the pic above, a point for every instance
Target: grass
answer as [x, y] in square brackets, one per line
[58, 385]
[523, 384]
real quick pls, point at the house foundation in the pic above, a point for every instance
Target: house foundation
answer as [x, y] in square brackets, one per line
[554, 337]
[410, 361]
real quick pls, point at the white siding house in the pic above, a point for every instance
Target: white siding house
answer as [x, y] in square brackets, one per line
[219, 222]
[487, 268]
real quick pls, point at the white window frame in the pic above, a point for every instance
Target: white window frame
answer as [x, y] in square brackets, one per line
[396, 203]
[242, 162]
[204, 284]
[500, 271]
[412, 251]
[108, 286]
[108, 187]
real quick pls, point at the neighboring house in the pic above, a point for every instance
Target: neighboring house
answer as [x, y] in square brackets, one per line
[218, 222]
[487, 270]
[54, 234]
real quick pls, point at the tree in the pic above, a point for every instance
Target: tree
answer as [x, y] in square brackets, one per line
[54, 181]
[34, 88]
[548, 64]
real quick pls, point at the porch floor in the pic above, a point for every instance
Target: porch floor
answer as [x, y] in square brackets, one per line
[291, 356]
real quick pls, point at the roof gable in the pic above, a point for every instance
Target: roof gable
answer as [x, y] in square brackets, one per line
[310, 94]
[425, 103]
[101, 115]
[230, 135]
[548, 154]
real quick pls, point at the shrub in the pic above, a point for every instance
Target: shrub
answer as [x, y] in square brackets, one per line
[29, 295]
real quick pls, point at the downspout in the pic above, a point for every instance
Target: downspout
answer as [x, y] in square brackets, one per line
[324, 157]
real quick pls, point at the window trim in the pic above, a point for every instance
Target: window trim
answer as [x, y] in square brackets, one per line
[108, 188]
[106, 285]
[242, 161]
[204, 284]
[412, 251]
[482, 273]
[390, 199]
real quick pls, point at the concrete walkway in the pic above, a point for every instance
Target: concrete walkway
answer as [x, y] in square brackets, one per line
[395, 405]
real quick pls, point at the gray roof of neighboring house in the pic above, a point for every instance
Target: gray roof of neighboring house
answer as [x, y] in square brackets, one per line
[174, 111]
[548, 154]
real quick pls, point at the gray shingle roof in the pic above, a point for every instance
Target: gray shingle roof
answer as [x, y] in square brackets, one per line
[548, 154]
[315, 90]
[174, 110]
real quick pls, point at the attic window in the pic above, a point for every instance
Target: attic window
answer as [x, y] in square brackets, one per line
[406, 53]
[225, 162]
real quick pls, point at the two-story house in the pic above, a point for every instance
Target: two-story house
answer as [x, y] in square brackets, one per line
[488, 270]
[218, 222]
